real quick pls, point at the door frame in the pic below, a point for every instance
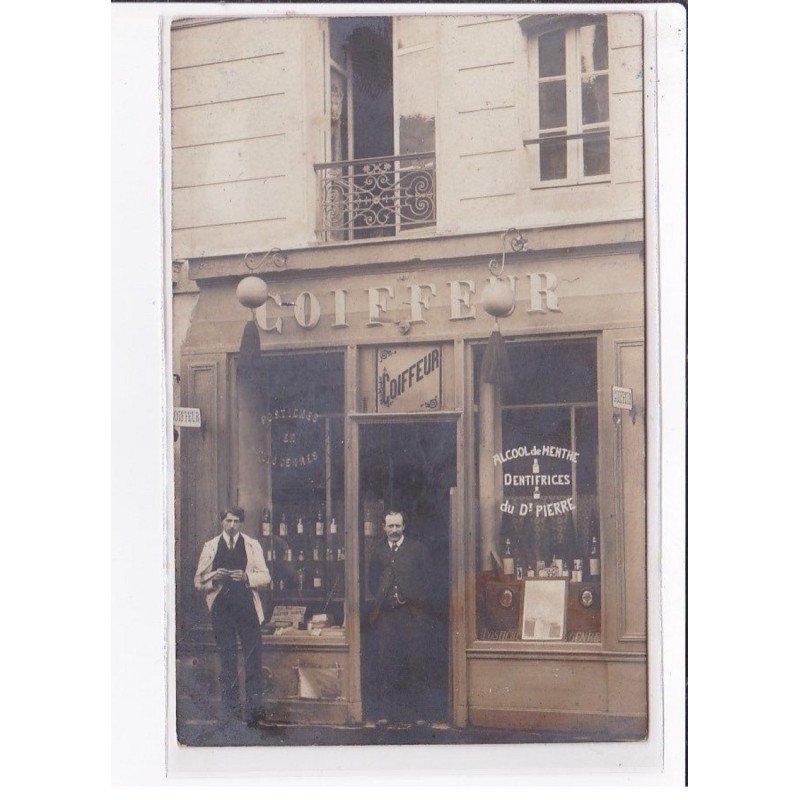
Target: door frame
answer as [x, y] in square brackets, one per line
[457, 556]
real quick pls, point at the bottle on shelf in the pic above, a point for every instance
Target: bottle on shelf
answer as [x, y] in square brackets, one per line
[329, 553]
[369, 525]
[266, 523]
[301, 556]
[317, 579]
[281, 586]
[300, 529]
[334, 527]
[319, 526]
[594, 558]
[316, 553]
[561, 553]
[301, 580]
[508, 560]
[282, 527]
[288, 554]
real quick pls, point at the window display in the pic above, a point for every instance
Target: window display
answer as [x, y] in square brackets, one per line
[544, 473]
[302, 519]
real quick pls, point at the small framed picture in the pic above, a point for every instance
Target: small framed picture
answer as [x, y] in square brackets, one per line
[544, 610]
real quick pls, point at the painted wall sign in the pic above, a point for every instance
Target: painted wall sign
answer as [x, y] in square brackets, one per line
[622, 398]
[542, 481]
[408, 379]
[186, 417]
[296, 437]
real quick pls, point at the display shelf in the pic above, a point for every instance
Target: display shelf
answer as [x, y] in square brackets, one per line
[295, 599]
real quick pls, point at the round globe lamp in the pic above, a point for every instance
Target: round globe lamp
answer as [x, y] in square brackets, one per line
[252, 292]
[498, 297]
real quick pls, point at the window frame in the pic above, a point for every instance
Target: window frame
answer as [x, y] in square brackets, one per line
[575, 127]
[476, 643]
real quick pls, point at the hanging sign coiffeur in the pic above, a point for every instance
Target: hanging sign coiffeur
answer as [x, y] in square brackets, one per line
[409, 379]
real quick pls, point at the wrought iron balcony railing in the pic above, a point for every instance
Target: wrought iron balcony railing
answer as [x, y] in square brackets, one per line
[371, 197]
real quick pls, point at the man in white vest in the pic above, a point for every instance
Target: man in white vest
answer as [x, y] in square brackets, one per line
[231, 570]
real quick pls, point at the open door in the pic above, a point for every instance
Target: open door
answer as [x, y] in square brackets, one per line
[409, 467]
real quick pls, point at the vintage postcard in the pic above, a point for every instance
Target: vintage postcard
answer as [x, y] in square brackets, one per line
[411, 378]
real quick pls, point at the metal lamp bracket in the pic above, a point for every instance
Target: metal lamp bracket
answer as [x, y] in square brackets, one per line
[275, 258]
[518, 244]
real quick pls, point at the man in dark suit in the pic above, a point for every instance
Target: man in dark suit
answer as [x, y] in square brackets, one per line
[400, 623]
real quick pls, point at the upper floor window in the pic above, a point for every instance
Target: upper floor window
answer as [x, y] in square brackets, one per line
[570, 108]
[380, 176]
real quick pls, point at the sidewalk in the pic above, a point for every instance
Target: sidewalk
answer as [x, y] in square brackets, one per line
[211, 734]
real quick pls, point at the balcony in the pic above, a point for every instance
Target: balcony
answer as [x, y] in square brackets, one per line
[375, 197]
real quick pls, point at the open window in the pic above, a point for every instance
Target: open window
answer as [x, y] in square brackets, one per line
[379, 179]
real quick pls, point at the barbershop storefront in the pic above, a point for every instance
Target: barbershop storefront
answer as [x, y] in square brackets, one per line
[370, 394]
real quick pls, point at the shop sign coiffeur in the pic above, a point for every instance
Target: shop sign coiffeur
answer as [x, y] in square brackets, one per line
[383, 301]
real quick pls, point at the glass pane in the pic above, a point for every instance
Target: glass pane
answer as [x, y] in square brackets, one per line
[596, 155]
[552, 104]
[415, 101]
[338, 116]
[584, 623]
[551, 54]
[594, 99]
[593, 43]
[303, 516]
[339, 30]
[536, 522]
[552, 372]
[586, 445]
[538, 518]
[553, 160]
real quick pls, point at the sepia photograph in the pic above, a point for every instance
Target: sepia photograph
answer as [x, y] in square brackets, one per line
[408, 356]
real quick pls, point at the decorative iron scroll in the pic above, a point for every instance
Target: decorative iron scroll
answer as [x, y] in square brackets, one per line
[377, 196]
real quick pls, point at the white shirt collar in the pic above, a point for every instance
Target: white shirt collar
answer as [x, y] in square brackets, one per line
[398, 542]
[230, 541]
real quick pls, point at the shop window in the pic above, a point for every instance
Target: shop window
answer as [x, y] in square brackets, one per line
[570, 105]
[538, 485]
[298, 405]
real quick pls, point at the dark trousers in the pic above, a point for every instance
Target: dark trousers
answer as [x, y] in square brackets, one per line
[401, 640]
[228, 621]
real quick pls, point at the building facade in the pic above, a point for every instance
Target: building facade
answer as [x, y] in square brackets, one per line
[379, 174]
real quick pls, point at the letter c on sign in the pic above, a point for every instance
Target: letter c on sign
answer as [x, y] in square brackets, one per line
[261, 315]
[306, 310]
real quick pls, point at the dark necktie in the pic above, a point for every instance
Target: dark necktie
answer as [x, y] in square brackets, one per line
[394, 548]
[230, 546]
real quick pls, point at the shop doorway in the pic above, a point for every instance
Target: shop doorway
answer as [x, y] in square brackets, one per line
[408, 467]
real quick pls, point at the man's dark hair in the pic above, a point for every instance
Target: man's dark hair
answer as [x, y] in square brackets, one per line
[391, 513]
[234, 511]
